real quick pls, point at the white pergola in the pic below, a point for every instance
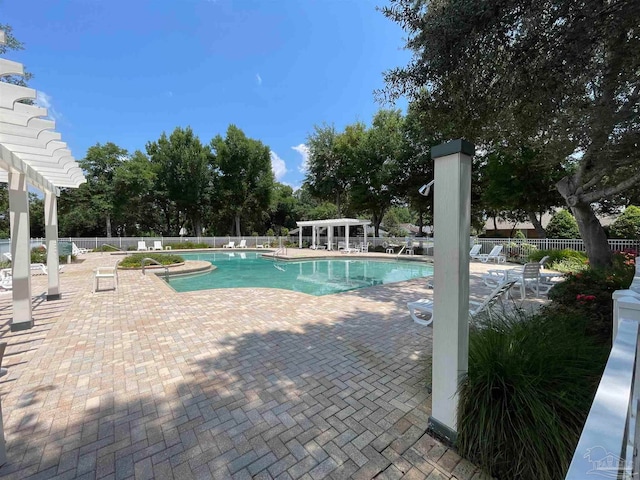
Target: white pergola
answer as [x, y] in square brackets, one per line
[317, 225]
[31, 153]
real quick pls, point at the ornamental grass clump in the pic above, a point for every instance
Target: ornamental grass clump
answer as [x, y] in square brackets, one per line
[135, 261]
[528, 390]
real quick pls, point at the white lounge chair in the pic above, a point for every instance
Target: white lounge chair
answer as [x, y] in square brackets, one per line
[243, 244]
[425, 305]
[75, 250]
[142, 246]
[495, 254]
[475, 250]
[231, 244]
[157, 245]
[6, 279]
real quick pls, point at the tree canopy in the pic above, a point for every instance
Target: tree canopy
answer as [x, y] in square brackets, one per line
[558, 77]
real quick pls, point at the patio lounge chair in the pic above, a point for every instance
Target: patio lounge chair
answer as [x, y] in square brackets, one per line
[425, 305]
[243, 244]
[475, 250]
[231, 244]
[6, 279]
[495, 254]
[75, 250]
[157, 245]
[142, 246]
[530, 278]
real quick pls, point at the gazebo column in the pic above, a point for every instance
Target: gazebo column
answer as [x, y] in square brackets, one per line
[346, 236]
[299, 237]
[51, 233]
[20, 252]
[313, 236]
[330, 237]
[452, 218]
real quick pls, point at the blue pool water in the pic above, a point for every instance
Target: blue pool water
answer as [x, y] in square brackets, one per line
[315, 277]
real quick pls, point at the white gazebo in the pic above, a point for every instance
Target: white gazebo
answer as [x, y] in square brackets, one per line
[317, 225]
[31, 153]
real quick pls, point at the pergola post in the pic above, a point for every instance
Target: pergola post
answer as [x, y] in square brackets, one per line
[346, 235]
[313, 236]
[51, 233]
[452, 219]
[299, 237]
[20, 252]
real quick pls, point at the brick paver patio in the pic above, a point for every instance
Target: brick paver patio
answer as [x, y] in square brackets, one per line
[234, 383]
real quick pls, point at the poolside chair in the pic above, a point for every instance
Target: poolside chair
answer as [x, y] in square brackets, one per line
[475, 250]
[243, 244]
[142, 246]
[157, 245]
[492, 277]
[105, 272]
[425, 305]
[495, 254]
[75, 250]
[231, 244]
[530, 278]
[7, 255]
[6, 279]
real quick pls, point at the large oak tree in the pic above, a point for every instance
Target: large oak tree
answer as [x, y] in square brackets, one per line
[562, 77]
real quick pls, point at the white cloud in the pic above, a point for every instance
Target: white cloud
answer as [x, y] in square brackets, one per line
[303, 150]
[44, 100]
[258, 79]
[278, 166]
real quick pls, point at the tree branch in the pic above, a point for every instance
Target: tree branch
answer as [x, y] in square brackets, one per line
[607, 192]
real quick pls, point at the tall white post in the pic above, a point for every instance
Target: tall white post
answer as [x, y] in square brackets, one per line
[20, 252]
[299, 237]
[313, 236]
[452, 219]
[346, 236]
[51, 233]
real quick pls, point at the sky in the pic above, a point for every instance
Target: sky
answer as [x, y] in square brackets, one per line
[126, 71]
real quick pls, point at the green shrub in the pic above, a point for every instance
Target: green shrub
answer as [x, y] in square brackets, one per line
[187, 245]
[562, 225]
[528, 390]
[627, 225]
[558, 256]
[589, 292]
[135, 261]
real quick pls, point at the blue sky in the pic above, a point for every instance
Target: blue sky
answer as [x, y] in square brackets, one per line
[125, 71]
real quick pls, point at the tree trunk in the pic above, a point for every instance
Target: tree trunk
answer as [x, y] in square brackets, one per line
[537, 225]
[592, 233]
[420, 224]
[108, 226]
[338, 205]
[237, 225]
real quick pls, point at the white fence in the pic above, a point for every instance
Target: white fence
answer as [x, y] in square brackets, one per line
[520, 248]
[608, 444]
[514, 248]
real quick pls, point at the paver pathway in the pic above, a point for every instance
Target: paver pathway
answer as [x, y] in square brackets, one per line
[235, 383]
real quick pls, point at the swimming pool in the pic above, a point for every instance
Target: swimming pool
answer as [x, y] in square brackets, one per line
[315, 277]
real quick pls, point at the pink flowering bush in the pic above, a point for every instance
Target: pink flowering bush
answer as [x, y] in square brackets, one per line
[589, 293]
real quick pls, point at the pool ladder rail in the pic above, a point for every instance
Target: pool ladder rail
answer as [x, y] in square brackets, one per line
[279, 251]
[155, 262]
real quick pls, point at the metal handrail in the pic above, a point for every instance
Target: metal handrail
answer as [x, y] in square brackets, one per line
[112, 246]
[155, 262]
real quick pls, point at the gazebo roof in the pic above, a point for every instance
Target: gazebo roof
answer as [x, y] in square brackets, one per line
[333, 222]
